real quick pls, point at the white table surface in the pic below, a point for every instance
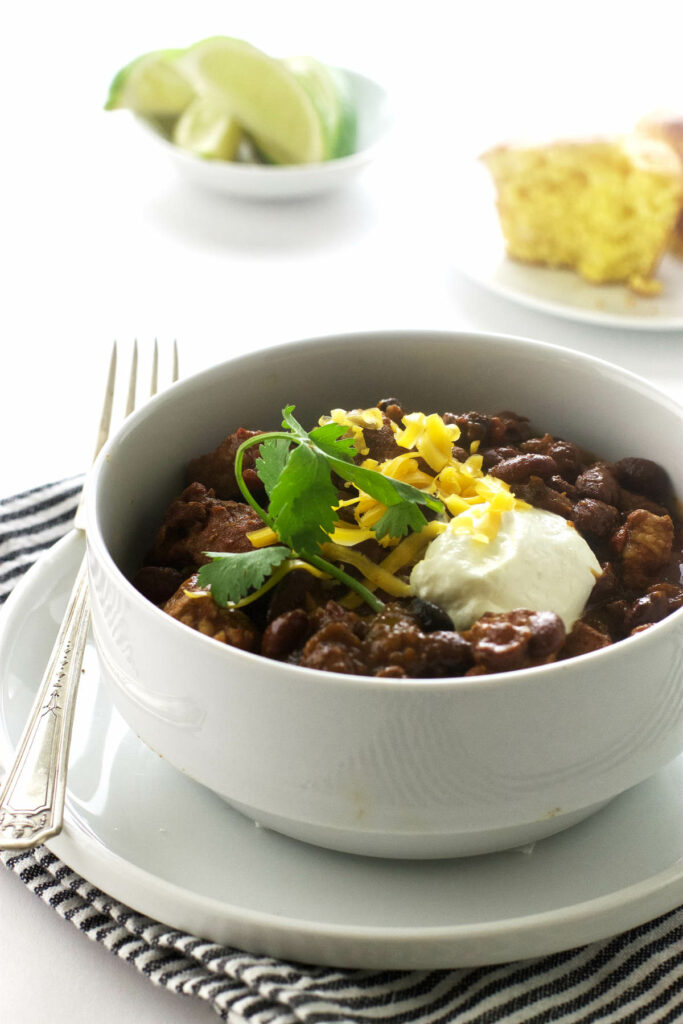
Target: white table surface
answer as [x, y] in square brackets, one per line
[101, 241]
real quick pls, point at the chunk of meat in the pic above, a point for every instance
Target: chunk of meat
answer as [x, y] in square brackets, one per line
[660, 600]
[537, 493]
[335, 647]
[157, 582]
[606, 587]
[336, 643]
[507, 641]
[195, 607]
[644, 543]
[390, 644]
[490, 430]
[331, 611]
[197, 521]
[381, 443]
[395, 640]
[558, 483]
[299, 589]
[629, 500]
[582, 640]
[216, 469]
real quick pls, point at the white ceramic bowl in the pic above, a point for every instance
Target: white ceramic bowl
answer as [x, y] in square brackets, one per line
[265, 181]
[389, 767]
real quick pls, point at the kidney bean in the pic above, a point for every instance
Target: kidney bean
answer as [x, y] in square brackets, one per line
[494, 456]
[285, 634]
[566, 454]
[594, 517]
[598, 482]
[519, 468]
[644, 477]
[392, 408]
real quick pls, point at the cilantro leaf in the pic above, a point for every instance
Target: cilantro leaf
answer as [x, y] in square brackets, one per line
[302, 503]
[384, 488]
[232, 575]
[273, 455]
[399, 519]
[328, 439]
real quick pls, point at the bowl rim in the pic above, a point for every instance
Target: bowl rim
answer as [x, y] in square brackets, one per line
[97, 548]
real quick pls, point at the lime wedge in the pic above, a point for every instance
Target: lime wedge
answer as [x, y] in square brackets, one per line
[152, 86]
[208, 129]
[329, 91]
[266, 98]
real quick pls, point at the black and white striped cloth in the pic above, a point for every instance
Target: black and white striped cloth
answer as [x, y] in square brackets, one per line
[634, 978]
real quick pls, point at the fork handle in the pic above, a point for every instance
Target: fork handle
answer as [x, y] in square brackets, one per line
[32, 799]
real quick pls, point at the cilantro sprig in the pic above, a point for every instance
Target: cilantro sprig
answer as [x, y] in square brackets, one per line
[298, 469]
[234, 574]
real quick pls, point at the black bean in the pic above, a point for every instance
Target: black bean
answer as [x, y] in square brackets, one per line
[430, 617]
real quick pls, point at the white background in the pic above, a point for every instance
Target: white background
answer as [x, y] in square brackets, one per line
[99, 241]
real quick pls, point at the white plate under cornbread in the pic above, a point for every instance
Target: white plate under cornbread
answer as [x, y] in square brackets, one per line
[502, 243]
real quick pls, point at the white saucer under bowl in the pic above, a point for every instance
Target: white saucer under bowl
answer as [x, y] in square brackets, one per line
[152, 838]
[295, 181]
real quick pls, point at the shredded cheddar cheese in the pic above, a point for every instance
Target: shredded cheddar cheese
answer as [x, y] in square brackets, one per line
[355, 421]
[371, 571]
[430, 437]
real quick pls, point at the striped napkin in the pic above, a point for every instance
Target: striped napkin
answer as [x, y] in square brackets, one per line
[635, 977]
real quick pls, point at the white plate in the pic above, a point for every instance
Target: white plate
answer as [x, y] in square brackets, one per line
[155, 840]
[479, 252]
[263, 181]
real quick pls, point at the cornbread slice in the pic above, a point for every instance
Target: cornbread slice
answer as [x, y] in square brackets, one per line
[605, 207]
[669, 128]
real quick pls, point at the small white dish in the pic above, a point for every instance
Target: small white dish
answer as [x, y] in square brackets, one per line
[479, 253]
[155, 840]
[264, 181]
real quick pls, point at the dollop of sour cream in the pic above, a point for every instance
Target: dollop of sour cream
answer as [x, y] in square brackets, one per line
[537, 560]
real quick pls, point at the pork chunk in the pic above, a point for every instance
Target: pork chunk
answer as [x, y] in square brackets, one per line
[196, 522]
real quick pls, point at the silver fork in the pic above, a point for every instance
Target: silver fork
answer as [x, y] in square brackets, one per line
[32, 798]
